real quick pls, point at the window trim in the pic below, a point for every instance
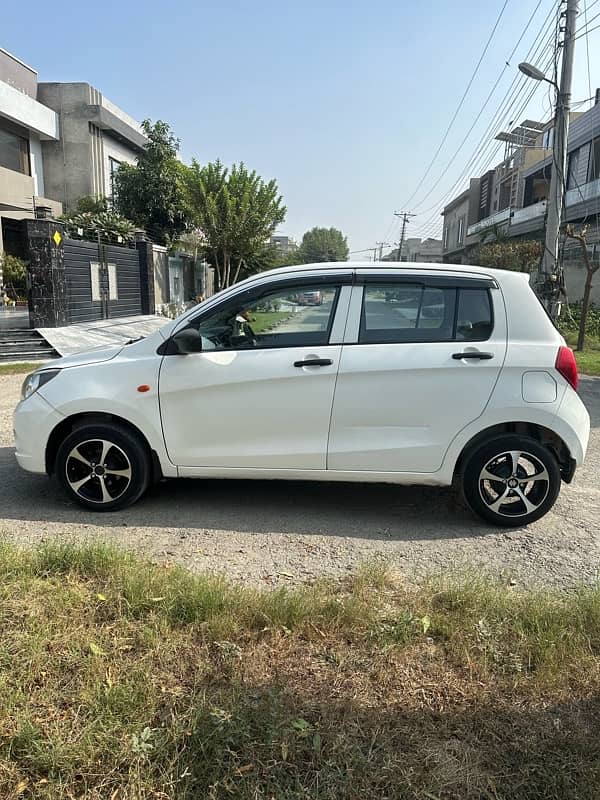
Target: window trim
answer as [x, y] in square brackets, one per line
[256, 293]
[458, 285]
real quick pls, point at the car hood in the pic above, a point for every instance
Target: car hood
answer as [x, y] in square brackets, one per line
[88, 357]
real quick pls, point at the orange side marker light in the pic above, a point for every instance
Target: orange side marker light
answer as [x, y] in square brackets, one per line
[143, 388]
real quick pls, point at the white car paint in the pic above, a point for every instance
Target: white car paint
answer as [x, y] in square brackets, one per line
[395, 412]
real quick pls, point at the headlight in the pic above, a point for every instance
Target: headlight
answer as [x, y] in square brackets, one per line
[37, 379]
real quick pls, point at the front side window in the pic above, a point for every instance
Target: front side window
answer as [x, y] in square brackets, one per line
[299, 316]
[14, 151]
[406, 313]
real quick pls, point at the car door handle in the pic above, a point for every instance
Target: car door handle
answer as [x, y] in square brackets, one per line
[314, 362]
[473, 354]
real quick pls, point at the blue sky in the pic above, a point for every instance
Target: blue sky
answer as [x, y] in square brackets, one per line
[342, 102]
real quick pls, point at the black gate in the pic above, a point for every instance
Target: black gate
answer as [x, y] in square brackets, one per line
[103, 281]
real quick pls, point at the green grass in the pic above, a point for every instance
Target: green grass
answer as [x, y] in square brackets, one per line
[122, 679]
[588, 360]
[18, 368]
[262, 321]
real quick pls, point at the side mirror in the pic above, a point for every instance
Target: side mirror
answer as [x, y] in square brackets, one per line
[186, 341]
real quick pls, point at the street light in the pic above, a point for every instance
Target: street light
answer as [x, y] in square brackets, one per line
[535, 73]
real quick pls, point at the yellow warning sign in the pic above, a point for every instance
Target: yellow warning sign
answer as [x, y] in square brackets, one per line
[57, 238]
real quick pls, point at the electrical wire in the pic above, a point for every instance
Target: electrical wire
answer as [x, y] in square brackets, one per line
[460, 105]
[483, 107]
[433, 223]
[506, 107]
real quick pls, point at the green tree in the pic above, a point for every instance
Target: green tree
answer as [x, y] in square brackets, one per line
[149, 193]
[323, 244]
[14, 275]
[514, 254]
[237, 211]
[107, 225]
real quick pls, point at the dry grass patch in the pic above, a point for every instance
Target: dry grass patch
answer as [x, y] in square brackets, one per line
[124, 680]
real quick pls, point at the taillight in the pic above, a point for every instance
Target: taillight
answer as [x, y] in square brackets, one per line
[567, 366]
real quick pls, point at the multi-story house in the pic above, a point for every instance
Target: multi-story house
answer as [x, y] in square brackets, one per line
[511, 198]
[96, 138]
[26, 125]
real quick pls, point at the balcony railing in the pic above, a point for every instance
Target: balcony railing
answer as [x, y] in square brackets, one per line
[581, 194]
[527, 213]
[589, 191]
[488, 222]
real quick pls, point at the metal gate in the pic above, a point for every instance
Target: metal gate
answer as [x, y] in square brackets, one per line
[103, 281]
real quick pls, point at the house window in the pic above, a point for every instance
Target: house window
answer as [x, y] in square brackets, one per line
[548, 138]
[446, 232]
[14, 150]
[574, 159]
[460, 232]
[594, 165]
[113, 166]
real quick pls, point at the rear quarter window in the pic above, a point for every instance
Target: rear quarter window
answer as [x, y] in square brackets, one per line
[474, 319]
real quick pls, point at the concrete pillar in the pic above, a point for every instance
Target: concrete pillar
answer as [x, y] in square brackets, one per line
[48, 306]
[146, 256]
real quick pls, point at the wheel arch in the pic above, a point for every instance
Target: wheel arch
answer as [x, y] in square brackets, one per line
[71, 423]
[546, 437]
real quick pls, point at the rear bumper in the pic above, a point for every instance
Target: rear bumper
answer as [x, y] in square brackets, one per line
[34, 420]
[572, 424]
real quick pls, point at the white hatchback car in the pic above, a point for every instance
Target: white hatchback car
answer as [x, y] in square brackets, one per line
[420, 374]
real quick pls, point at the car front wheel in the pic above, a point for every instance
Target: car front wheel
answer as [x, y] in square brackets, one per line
[511, 481]
[103, 467]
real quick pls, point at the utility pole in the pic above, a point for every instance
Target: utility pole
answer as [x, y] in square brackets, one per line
[405, 217]
[381, 245]
[548, 277]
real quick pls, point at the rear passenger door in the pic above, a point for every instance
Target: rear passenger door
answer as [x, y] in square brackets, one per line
[420, 360]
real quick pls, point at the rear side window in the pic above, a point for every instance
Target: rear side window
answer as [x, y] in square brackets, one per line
[407, 313]
[400, 312]
[474, 321]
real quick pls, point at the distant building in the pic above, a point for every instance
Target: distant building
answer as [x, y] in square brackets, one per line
[284, 244]
[96, 138]
[425, 251]
[510, 199]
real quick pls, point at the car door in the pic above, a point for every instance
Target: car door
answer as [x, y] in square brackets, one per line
[420, 361]
[259, 393]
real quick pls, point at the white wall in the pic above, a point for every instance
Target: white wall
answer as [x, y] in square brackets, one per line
[37, 165]
[115, 149]
[28, 112]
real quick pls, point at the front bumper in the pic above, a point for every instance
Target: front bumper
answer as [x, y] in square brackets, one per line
[34, 421]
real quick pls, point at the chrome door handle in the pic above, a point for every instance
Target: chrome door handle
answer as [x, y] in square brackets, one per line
[314, 362]
[473, 354]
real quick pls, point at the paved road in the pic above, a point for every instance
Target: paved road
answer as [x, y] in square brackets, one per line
[279, 532]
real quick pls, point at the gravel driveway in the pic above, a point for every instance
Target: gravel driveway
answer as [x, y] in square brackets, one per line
[279, 532]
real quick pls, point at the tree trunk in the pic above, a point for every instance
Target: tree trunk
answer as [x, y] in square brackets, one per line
[237, 272]
[585, 304]
[218, 270]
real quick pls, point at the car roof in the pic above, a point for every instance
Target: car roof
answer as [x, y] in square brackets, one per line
[393, 267]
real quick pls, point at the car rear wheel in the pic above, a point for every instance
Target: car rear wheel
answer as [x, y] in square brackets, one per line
[103, 467]
[511, 481]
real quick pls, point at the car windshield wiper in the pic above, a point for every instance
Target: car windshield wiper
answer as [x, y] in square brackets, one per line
[133, 341]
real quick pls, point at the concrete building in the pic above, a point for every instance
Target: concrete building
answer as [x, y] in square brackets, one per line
[96, 137]
[511, 198]
[26, 126]
[284, 244]
[425, 251]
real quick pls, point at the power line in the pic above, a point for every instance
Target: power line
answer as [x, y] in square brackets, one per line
[506, 106]
[460, 105]
[483, 107]
[476, 164]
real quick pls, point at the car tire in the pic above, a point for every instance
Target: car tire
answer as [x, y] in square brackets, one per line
[103, 467]
[511, 481]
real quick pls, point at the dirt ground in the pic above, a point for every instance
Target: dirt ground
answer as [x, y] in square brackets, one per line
[279, 532]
